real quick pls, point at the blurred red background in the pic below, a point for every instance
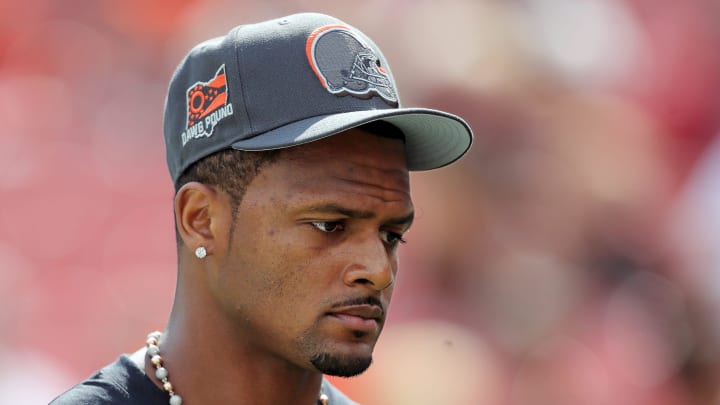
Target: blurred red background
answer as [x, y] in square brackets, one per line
[570, 258]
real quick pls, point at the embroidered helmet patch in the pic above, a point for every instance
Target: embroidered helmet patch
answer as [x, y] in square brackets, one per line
[345, 65]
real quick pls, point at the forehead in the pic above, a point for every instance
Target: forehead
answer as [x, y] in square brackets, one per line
[352, 159]
[352, 150]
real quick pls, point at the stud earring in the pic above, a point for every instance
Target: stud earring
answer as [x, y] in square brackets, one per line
[200, 252]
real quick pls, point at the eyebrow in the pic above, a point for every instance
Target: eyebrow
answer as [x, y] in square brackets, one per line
[405, 220]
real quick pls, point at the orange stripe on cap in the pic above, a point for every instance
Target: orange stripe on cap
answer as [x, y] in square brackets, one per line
[218, 81]
[310, 44]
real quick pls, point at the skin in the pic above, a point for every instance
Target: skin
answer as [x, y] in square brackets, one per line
[304, 272]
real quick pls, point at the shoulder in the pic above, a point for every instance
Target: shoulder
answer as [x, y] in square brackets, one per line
[119, 383]
[86, 394]
[336, 397]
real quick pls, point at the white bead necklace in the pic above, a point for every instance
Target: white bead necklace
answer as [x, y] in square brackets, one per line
[153, 351]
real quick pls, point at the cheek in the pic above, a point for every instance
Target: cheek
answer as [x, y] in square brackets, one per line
[276, 265]
[270, 272]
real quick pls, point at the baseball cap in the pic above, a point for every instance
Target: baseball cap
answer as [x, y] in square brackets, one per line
[289, 81]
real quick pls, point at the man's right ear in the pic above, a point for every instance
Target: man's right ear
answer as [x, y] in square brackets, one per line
[196, 208]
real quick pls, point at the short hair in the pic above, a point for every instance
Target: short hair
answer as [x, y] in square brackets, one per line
[231, 170]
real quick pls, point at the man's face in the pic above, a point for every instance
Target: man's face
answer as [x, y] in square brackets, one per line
[308, 271]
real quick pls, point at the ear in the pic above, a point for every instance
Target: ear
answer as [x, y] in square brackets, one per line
[201, 216]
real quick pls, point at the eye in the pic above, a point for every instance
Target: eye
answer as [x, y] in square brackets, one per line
[328, 226]
[392, 238]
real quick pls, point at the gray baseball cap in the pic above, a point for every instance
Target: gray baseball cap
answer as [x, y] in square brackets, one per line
[290, 81]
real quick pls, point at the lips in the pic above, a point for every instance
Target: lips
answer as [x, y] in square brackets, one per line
[359, 317]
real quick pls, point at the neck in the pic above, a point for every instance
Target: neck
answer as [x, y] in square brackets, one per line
[210, 361]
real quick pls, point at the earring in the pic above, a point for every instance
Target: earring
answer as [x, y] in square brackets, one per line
[200, 252]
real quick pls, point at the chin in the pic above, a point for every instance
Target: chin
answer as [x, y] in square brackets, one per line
[341, 365]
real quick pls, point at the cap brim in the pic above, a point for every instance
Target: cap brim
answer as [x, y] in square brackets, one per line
[433, 138]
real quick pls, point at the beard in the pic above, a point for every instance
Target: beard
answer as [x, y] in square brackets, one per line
[340, 366]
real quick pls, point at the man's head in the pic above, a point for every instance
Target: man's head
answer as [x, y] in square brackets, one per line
[290, 154]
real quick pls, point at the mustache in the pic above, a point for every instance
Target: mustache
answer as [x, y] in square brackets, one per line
[369, 300]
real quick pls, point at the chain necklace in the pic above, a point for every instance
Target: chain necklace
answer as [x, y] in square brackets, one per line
[153, 351]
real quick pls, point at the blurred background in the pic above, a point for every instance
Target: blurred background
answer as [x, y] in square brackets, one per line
[571, 258]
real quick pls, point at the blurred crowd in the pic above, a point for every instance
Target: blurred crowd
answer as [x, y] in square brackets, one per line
[571, 258]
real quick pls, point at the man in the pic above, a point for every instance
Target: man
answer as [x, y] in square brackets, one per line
[290, 157]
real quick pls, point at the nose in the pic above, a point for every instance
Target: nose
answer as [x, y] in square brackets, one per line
[371, 264]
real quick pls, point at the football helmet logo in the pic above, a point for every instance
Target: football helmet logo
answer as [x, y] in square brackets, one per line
[346, 65]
